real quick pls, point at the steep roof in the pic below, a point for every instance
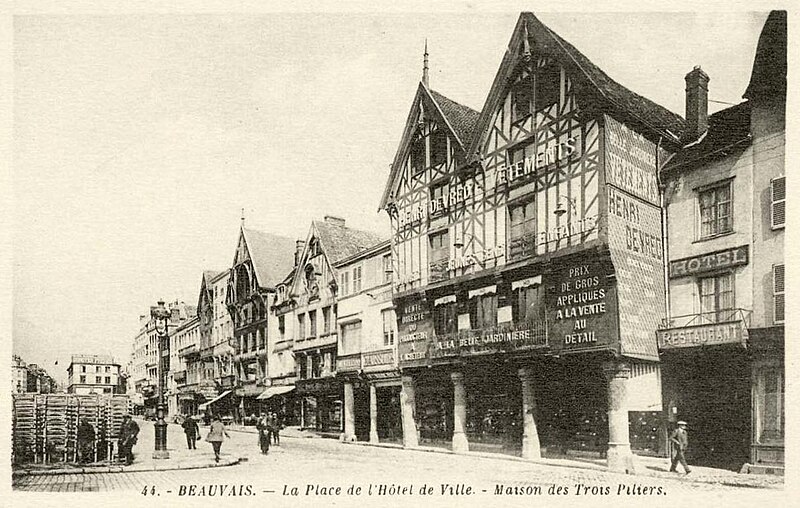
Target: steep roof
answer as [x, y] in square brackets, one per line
[769, 65]
[209, 275]
[340, 242]
[272, 256]
[463, 119]
[652, 117]
[727, 129]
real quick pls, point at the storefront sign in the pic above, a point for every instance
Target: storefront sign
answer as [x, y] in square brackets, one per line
[571, 228]
[701, 335]
[630, 161]
[317, 386]
[410, 278]
[628, 213]
[424, 208]
[378, 358]
[479, 258]
[704, 263]
[579, 306]
[348, 363]
[487, 341]
[414, 328]
[545, 155]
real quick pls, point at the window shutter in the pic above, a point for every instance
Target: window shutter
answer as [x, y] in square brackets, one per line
[778, 207]
[778, 288]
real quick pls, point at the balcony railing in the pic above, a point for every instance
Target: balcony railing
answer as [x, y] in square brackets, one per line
[727, 326]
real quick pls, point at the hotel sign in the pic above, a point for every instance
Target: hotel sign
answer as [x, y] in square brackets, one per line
[701, 335]
[704, 263]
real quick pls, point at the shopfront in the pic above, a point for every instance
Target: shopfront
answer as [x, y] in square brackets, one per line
[320, 404]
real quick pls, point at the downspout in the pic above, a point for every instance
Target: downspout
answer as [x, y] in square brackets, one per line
[664, 231]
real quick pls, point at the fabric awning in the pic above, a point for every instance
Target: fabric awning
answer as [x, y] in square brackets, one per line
[275, 390]
[488, 290]
[524, 283]
[444, 300]
[218, 397]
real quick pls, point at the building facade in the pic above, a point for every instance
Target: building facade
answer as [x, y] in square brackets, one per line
[184, 385]
[722, 345]
[527, 247]
[88, 374]
[367, 347]
[19, 375]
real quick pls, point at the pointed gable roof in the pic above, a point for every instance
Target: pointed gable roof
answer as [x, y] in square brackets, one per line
[272, 256]
[340, 242]
[459, 119]
[769, 65]
[652, 117]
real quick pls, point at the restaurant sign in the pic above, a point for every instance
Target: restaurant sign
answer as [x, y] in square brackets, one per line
[701, 335]
[710, 262]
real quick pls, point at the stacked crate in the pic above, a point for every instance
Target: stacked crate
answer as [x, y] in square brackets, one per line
[55, 429]
[24, 428]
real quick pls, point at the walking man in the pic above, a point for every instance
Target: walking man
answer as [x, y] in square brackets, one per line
[192, 431]
[680, 442]
[215, 435]
[128, 433]
[263, 433]
[276, 430]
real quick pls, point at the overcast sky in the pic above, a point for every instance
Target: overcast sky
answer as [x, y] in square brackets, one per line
[138, 139]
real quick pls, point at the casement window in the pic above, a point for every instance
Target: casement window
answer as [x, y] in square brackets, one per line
[716, 210]
[438, 147]
[97, 369]
[522, 229]
[483, 311]
[301, 326]
[326, 320]
[439, 247]
[716, 298]
[389, 326]
[345, 283]
[778, 202]
[282, 326]
[98, 380]
[445, 319]
[312, 323]
[417, 156]
[351, 336]
[778, 293]
[387, 268]
[528, 305]
[357, 279]
[108, 380]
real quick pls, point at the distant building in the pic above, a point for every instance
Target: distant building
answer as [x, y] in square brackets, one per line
[93, 374]
[19, 375]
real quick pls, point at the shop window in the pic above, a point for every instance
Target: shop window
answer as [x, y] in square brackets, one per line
[301, 326]
[778, 293]
[326, 320]
[548, 86]
[716, 214]
[770, 402]
[522, 229]
[445, 319]
[418, 155]
[438, 147]
[316, 365]
[716, 298]
[389, 325]
[483, 311]
[522, 93]
[778, 202]
[351, 336]
[387, 268]
[345, 283]
[312, 323]
[528, 305]
[357, 279]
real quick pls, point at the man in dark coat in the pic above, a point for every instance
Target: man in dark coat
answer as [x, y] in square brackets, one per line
[192, 431]
[85, 440]
[680, 442]
[263, 426]
[128, 433]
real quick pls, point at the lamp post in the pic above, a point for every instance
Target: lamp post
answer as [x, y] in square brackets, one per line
[160, 315]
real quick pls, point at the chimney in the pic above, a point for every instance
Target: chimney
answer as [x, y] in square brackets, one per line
[298, 250]
[696, 103]
[336, 221]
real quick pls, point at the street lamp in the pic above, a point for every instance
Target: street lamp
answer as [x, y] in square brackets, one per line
[160, 316]
[560, 210]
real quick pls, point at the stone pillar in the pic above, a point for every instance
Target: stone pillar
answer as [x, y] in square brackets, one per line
[460, 443]
[531, 448]
[408, 408]
[373, 414]
[349, 414]
[620, 458]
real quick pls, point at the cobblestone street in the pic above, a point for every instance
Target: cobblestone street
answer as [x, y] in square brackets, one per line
[327, 464]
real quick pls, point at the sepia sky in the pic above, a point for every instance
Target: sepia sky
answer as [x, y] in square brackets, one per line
[138, 139]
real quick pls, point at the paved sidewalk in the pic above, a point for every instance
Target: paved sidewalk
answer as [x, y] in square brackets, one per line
[180, 457]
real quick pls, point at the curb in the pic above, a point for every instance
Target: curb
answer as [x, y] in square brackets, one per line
[141, 468]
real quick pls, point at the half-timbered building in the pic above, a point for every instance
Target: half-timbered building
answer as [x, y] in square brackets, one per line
[529, 266]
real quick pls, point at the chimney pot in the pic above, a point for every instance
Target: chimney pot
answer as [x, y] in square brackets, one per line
[696, 103]
[336, 221]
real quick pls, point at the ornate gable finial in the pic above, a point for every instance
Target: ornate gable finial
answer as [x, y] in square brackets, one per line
[526, 46]
[242, 217]
[425, 64]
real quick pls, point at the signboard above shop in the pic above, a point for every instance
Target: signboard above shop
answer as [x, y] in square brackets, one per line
[702, 335]
[704, 263]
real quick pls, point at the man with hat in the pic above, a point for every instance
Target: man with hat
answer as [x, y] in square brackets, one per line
[680, 441]
[128, 432]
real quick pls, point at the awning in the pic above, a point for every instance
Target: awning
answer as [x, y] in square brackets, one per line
[206, 404]
[275, 390]
[524, 283]
[488, 290]
[444, 300]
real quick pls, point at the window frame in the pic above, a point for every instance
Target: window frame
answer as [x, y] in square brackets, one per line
[388, 270]
[445, 318]
[778, 294]
[358, 273]
[478, 311]
[777, 202]
[388, 318]
[713, 189]
[714, 316]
